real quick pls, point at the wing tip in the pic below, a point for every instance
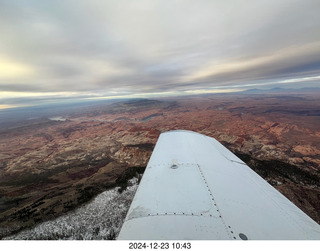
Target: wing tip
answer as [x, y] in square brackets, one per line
[186, 131]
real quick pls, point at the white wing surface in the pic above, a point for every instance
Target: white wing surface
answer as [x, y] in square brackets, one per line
[194, 188]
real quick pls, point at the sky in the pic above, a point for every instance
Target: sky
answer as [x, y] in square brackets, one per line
[89, 49]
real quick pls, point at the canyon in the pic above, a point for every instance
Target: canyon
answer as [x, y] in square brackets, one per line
[50, 165]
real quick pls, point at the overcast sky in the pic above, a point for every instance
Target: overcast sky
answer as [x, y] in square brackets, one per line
[134, 48]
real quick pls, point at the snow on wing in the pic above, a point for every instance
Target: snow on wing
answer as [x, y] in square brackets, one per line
[194, 188]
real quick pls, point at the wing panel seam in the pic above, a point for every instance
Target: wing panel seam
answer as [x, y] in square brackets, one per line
[173, 214]
[227, 228]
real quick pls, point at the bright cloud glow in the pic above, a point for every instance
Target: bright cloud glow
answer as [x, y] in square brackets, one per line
[12, 71]
[123, 48]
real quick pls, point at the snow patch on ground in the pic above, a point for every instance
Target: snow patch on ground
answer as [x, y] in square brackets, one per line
[101, 219]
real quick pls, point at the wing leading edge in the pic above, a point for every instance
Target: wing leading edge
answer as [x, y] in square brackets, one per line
[194, 188]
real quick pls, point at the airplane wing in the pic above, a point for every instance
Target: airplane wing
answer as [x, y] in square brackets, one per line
[194, 188]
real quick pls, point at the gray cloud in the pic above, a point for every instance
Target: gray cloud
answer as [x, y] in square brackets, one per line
[120, 47]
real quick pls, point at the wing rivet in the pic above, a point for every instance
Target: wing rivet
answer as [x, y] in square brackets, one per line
[243, 236]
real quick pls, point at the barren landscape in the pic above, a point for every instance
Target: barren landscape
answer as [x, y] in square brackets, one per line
[51, 165]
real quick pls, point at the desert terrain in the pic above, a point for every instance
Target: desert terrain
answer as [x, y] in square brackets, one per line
[50, 165]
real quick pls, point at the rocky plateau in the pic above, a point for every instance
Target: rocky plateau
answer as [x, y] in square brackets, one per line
[50, 166]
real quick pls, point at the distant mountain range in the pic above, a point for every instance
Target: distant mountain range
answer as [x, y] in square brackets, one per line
[281, 90]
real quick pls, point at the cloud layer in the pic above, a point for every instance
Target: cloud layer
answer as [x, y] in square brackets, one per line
[118, 47]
